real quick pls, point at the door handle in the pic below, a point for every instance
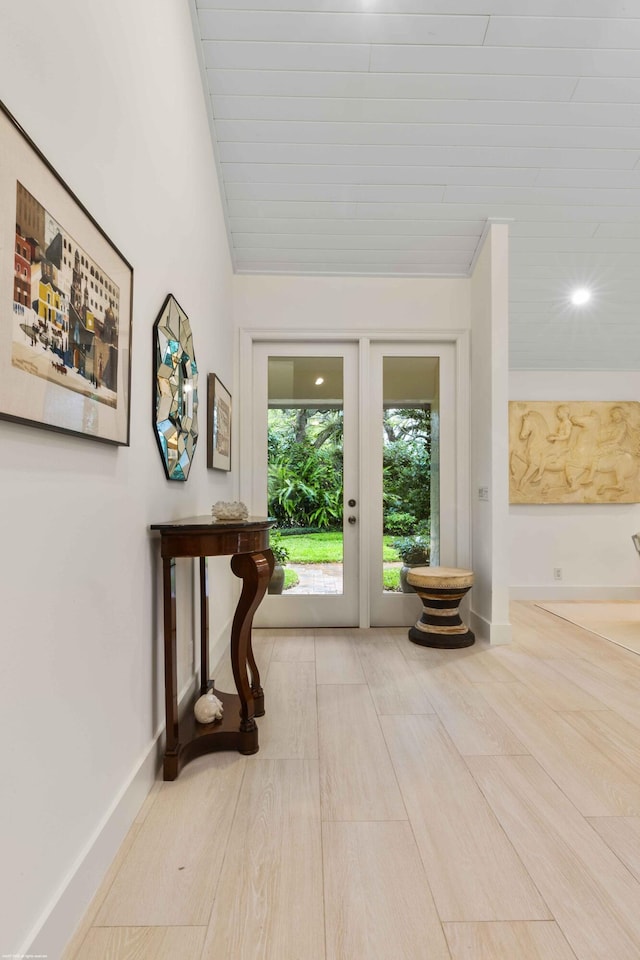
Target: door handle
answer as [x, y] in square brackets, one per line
[351, 520]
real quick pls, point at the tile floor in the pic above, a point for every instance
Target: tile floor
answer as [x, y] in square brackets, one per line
[476, 804]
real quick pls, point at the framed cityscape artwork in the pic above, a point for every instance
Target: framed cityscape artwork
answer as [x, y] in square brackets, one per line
[218, 425]
[65, 303]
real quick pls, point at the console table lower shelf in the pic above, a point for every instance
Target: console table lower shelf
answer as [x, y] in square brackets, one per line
[196, 739]
[247, 542]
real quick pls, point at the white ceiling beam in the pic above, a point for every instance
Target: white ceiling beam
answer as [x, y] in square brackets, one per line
[317, 27]
[318, 242]
[544, 8]
[591, 33]
[362, 110]
[499, 157]
[446, 134]
[383, 228]
[307, 83]
[387, 174]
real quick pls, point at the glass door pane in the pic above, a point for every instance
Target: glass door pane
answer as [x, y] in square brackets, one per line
[306, 471]
[409, 444]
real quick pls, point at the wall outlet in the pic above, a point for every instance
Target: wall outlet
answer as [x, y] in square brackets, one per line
[483, 493]
[557, 573]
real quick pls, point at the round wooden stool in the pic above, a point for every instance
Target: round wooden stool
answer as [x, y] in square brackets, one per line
[441, 589]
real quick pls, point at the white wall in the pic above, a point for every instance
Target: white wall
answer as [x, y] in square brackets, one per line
[590, 542]
[111, 93]
[352, 304]
[489, 455]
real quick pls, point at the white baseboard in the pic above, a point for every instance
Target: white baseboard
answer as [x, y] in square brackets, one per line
[573, 592]
[59, 920]
[495, 633]
[500, 633]
[56, 925]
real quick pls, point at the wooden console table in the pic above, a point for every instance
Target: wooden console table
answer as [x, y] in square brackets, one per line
[247, 542]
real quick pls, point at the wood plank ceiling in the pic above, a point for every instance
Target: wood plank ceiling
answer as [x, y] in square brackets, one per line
[377, 137]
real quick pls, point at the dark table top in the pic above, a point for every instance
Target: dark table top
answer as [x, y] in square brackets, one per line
[209, 524]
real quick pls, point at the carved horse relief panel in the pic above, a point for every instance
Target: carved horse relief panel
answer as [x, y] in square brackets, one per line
[574, 452]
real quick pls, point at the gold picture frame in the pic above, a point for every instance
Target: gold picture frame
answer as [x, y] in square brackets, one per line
[218, 424]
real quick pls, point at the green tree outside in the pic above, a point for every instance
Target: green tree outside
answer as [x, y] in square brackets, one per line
[306, 469]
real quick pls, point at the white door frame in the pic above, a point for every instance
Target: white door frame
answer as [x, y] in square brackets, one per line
[462, 489]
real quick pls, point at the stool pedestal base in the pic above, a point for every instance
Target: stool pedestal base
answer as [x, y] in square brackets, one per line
[428, 639]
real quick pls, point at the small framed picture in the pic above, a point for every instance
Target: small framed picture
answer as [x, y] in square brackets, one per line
[218, 424]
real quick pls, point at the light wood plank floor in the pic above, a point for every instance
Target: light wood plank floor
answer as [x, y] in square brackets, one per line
[406, 804]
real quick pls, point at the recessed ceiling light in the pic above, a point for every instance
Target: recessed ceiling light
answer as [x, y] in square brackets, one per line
[319, 380]
[580, 296]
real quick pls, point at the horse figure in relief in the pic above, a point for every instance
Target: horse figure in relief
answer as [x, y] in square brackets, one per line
[613, 451]
[540, 454]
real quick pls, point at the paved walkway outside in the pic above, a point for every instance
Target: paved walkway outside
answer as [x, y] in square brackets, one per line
[320, 578]
[317, 578]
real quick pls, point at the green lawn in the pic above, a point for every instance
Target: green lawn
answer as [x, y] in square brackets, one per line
[325, 548]
[389, 555]
[391, 580]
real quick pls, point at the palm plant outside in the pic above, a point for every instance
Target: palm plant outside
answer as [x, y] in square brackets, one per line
[305, 479]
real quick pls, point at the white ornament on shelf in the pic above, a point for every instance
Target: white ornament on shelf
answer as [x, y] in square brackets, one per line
[208, 708]
[229, 510]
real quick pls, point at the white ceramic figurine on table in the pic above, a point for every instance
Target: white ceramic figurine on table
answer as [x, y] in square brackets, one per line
[208, 708]
[229, 510]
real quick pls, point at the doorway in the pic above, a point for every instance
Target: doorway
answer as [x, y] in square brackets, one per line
[350, 445]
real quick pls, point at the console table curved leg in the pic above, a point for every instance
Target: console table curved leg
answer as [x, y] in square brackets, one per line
[256, 689]
[258, 692]
[254, 569]
[172, 747]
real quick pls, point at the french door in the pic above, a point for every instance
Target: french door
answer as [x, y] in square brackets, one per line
[342, 408]
[410, 406]
[306, 450]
